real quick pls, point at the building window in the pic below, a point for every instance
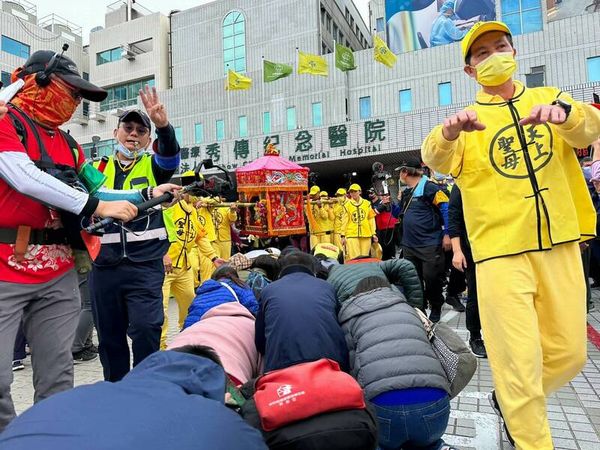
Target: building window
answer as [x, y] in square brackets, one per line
[178, 134]
[536, 77]
[405, 99]
[266, 122]
[445, 94]
[522, 16]
[364, 104]
[291, 118]
[243, 126]
[593, 68]
[317, 114]
[220, 129]
[198, 133]
[123, 95]
[234, 42]
[103, 148]
[5, 78]
[380, 25]
[85, 109]
[114, 54]
[15, 47]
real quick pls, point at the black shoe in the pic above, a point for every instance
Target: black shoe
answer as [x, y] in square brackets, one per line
[84, 356]
[435, 314]
[478, 348]
[17, 365]
[455, 303]
[496, 406]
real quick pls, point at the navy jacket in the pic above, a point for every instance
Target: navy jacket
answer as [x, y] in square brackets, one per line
[297, 321]
[170, 400]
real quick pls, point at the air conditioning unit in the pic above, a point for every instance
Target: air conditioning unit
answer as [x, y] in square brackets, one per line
[127, 54]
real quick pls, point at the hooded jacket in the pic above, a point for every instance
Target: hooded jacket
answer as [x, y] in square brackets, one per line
[229, 330]
[388, 345]
[212, 293]
[522, 187]
[399, 272]
[170, 400]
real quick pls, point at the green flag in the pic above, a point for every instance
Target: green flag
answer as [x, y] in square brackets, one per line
[344, 58]
[275, 71]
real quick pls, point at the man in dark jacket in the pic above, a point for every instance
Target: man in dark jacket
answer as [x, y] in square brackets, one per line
[399, 272]
[171, 400]
[297, 320]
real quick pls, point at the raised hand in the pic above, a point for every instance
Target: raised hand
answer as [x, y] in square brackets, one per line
[155, 109]
[465, 120]
[545, 114]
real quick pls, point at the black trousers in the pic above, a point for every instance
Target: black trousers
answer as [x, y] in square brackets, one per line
[472, 310]
[127, 301]
[430, 265]
[387, 240]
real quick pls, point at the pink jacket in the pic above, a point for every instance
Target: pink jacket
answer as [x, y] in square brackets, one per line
[596, 171]
[229, 330]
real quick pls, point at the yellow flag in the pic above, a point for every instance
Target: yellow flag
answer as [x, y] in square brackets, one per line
[382, 53]
[312, 64]
[236, 81]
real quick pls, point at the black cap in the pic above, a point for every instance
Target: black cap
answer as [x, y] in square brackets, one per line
[410, 161]
[66, 70]
[135, 115]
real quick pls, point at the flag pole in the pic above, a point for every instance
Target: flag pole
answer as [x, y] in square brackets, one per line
[263, 87]
[229, 125]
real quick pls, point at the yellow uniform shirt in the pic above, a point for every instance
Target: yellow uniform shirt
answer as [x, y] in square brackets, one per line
[223, 218]
[359, 220]
[522, 186]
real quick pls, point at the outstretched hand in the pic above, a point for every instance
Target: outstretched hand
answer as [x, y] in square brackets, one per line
[465, 120]
[545, 114]
[155, 109]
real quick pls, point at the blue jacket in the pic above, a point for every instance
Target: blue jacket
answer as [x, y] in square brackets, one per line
[170, 400]
[212, 293]
[297, 321]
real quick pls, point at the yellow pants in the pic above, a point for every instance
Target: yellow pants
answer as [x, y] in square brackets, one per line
[223, 249]
[216, 248]
[532, 309]
[356, 247]
[206, 268]
[320, 238]
[194, 261]
[180, 283]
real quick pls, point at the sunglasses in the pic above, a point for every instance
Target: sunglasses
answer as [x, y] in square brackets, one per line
[141, 130]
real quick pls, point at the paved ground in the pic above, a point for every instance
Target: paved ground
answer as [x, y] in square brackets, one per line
[574, 411]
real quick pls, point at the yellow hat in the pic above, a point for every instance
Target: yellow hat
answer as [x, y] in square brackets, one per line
[324, 194]
[314, 190]
[477, 30]
[189, 173]
[329, 250]
[340, 191]
[354, 187]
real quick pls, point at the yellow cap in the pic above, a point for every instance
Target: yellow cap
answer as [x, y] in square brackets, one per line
[329, 250]
[354, 187]
[340, 191]
[189, 173]
[324, 194]
[477, 30]
[314, 190]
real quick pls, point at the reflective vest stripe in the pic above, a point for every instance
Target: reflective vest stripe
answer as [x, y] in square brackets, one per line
[115, 238]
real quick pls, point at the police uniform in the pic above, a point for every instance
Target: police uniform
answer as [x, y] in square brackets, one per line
[127, 276]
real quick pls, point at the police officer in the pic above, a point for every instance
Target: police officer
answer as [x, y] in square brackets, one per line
[127, 277]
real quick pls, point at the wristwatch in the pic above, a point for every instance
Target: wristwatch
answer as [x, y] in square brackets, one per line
[564, 105]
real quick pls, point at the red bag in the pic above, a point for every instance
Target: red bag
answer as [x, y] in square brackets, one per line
[305, 390]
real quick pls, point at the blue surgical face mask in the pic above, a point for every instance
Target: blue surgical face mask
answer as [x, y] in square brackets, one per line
[128, 153]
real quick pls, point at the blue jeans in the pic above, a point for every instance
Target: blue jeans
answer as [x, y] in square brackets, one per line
[417, 426]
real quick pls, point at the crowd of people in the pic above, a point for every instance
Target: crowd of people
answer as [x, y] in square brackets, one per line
[508, 233]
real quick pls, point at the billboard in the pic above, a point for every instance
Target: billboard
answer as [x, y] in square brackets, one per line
[413, 25]
[561, 9]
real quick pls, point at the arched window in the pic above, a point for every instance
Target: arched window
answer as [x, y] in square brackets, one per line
[234, 42]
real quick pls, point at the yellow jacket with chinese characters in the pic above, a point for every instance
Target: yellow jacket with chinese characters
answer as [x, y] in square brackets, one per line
[184, 232]
[320, 217]
[223, 217]
[206, 220]
[359, 220]
[522, 187]
[338, 217]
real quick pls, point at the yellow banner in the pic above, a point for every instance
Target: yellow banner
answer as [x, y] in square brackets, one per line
[312, 64]
[236, 81]
[382, 53]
